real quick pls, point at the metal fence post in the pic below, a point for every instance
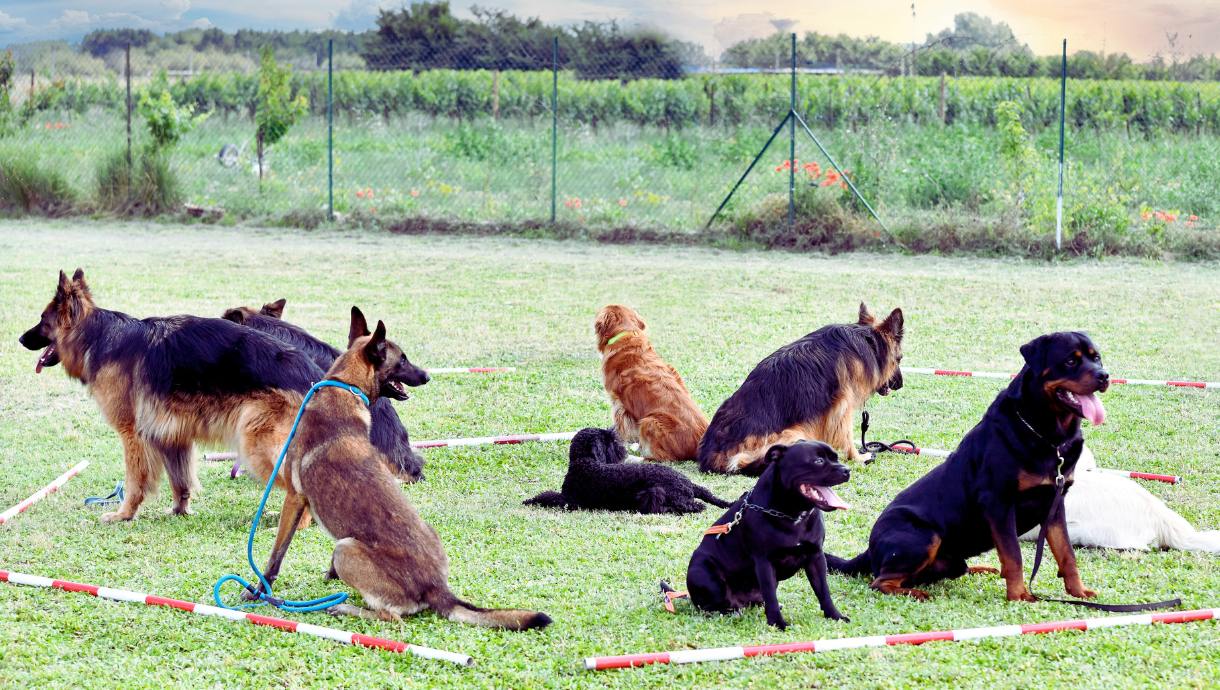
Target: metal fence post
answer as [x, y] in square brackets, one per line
[330, 128]
[1062, 120]
[128, 71]
[792, 142]
[554, 123]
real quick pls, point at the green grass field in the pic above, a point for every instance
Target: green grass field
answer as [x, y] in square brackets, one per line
[530, 304]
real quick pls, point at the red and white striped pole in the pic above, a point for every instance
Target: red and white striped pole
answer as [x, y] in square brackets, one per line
[997, 375]
[43, 492]
[471, 370]
[691, 656]
[510, 439]
[205, 610]
[938, 453]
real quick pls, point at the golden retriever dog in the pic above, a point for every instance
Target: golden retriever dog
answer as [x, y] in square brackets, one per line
[651, 403]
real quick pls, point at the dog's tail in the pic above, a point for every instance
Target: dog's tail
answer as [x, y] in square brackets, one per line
[860, 565]
[705, 495]
[455, 609]
[1174, 532]
[547, 499]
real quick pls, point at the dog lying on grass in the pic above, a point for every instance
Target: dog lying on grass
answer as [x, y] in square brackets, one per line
[388, 434]
[650, 401]
[769, 534]
[383, 549]
[599, 478]
[1112, 512]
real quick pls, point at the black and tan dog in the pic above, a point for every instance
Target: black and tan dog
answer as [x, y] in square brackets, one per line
[806, 390]
[999, 482]
[384, 549]
[600, 478]
[388, 433]
[166, 383]
[770, 534]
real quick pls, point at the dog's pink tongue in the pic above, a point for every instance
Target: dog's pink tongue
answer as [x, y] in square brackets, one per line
[1092, 409]
[42, 359]
[832, 499]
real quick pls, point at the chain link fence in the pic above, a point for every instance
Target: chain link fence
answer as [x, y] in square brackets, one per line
[574, 127]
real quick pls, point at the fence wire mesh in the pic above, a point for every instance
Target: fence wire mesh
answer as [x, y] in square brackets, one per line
[588, 126]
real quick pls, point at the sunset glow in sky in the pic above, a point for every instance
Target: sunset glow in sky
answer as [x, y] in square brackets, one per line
[1141, 28]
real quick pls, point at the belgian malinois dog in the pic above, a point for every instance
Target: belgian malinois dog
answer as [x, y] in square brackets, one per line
[384, 549]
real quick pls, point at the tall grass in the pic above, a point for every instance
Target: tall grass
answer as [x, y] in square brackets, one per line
[147, 186]
[29, 186]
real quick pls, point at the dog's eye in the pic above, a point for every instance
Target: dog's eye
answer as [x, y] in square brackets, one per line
[1071, 362]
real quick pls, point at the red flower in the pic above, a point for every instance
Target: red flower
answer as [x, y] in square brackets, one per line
[359, 193]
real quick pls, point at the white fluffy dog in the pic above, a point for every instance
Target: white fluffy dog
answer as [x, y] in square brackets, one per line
[1115, 512]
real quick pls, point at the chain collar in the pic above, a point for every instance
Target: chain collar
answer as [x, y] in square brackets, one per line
[1058, 452]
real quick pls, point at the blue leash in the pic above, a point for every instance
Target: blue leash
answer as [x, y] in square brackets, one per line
[265, 597]
[115, 497]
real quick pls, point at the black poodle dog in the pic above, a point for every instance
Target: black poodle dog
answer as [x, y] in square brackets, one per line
[600, 479]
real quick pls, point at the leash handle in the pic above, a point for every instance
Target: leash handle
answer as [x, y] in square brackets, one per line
[265, 596]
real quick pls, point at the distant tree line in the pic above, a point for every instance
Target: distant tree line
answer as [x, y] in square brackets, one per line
[975, 46]
[426, 35]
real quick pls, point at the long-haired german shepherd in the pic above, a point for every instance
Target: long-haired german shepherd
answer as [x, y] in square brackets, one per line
[388, 433]
[806, 390]
[165, 383]
[384, 549]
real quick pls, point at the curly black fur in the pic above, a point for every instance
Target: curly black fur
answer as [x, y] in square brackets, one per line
[600, 479]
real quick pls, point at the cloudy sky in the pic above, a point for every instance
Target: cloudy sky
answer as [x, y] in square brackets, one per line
[1138, 27]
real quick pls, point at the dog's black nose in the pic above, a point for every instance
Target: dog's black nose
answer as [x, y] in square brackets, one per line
[1103, 376]
[427, 377]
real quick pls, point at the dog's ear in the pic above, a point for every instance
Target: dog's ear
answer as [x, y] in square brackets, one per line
[774, 454]
[65, 286]
[1034, 353]
[274, 309]
[374, 350]
[358, 328]
[893, 325]
[237, 315]
[606, 320]
[866, 317]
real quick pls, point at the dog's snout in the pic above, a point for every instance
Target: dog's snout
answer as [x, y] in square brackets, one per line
[425, 377]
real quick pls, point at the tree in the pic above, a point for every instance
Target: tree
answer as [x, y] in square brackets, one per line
[101, 42]
[276, 110]
[971, 30]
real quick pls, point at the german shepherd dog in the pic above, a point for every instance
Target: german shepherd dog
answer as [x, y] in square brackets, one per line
[999, 482]
[165, 383]
[384, 549]
[770, 534]
[650, 401]
[388, 433]
[806, 390]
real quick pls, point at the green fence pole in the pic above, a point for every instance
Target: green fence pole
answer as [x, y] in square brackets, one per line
[554, 123]
[792, 142]
[330, 128]
[1063, 75]
[128, 77]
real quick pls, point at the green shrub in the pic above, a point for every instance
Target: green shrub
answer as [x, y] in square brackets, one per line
[167, 121]
[25, 187]
[147, 187]
[675, 151]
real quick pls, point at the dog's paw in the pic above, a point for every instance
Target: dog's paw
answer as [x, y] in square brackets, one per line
[837, 616]
[1081, 592]
[247, 595]
[1022, 595]
[177, 510]
[116, 516]
[779, 623]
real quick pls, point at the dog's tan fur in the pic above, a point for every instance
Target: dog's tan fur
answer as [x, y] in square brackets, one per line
[651, 404]
[384, 548]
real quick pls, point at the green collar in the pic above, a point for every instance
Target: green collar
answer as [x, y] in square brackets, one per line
[618, 337]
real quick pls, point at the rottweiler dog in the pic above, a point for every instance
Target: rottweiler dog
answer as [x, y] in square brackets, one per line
[600, 478]
[770, 533]
[1000, 482]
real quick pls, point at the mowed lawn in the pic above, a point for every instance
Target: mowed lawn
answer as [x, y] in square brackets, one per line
[530, 304]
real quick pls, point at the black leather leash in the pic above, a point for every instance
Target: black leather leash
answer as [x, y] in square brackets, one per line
[867, 446]
[1051, 515]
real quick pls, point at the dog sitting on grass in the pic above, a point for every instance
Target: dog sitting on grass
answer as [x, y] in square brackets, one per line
[600, 479]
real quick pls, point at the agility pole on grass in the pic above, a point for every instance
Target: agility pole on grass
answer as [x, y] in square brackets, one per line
[43, 492]
[691, 656]
[205, 610]
[939, 453]
[997, 375]
[511, 439]
[471, 370]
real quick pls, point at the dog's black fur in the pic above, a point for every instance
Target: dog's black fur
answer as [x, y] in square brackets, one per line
[387, 432]
[743, 567]
[999, 483]
[599, 479]
[808, 390]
